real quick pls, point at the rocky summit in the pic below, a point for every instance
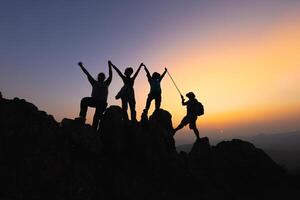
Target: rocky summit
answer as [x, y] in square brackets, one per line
[43, 159]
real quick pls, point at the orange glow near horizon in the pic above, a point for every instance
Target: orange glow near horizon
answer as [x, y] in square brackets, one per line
[240, 58]
[238, 79]
[241, 79]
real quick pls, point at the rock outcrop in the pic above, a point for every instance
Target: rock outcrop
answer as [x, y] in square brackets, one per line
[43, 159]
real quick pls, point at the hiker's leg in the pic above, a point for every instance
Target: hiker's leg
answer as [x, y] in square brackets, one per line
[193, 126]
[180, 126]
[157, 102]
[196, 133]
[124, 108]
[183, 122]
[85, 102]
[102, 108]
[96, 119]
[98, 114]
[148, 103]
[132, 109]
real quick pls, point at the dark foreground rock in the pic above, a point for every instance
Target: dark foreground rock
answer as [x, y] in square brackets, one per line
[43, 159]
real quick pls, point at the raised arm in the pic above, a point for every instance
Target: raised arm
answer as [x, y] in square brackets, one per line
[108, 80]
[163, 74]
[137, 71]
[118, 71]
[147, 72]
[90, 78]
[182, 101]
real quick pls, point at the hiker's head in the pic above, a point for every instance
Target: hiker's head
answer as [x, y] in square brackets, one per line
[155, 75]
[190, 95]
[128, 71]
[101, 77]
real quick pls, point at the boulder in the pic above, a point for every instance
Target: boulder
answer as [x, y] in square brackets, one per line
[81, 136]
[237, 161]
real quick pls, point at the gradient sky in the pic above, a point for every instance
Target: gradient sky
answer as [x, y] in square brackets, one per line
[241, 58]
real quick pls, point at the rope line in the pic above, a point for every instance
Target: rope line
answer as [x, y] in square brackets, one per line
[174, 83]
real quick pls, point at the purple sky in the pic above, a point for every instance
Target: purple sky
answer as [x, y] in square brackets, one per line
[41, 41]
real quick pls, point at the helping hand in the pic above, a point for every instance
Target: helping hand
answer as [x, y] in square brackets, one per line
[111, 64]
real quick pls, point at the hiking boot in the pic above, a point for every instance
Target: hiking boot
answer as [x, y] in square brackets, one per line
[173, 132]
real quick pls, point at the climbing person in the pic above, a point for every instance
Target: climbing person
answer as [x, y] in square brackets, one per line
[98, 98]
[155, 90]
[126, 94]
[194, 109]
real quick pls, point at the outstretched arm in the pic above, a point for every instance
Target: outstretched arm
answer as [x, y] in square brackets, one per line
[108, 80]
[163, 74]
[90, 78]
[118, 71]
[137, 71]
[147, 72]
[182, 101]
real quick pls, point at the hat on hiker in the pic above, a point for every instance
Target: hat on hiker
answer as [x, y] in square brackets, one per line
[190, 95]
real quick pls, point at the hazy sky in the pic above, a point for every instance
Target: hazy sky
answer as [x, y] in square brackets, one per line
[241, 58]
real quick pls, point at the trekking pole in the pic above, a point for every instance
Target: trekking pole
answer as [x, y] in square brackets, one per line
[174, 83]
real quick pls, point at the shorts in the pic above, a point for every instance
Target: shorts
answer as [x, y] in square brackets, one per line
[189, 119]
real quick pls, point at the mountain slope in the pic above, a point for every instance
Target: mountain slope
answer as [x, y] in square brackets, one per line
[43, 159]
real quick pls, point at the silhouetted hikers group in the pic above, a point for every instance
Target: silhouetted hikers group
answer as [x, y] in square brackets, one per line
[99, 96]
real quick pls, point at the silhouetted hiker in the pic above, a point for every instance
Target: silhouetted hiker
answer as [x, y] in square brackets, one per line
[98, 99]
[155, 89]
[194, 109]
[127, 93]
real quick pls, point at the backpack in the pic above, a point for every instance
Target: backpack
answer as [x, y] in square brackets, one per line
[199, 109]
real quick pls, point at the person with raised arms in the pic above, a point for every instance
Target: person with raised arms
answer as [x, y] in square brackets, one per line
[98, 97]
[126, 94]
[155, 90]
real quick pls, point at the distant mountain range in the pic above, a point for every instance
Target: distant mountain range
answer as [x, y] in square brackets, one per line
[284, 141]
[284, 148]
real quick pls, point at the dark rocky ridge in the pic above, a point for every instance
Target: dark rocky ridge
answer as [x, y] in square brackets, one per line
[43, 159]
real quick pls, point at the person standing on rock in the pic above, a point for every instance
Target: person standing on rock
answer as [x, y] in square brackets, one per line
[126, 94]
[99, 95]
[194, 109]
[155, 90]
